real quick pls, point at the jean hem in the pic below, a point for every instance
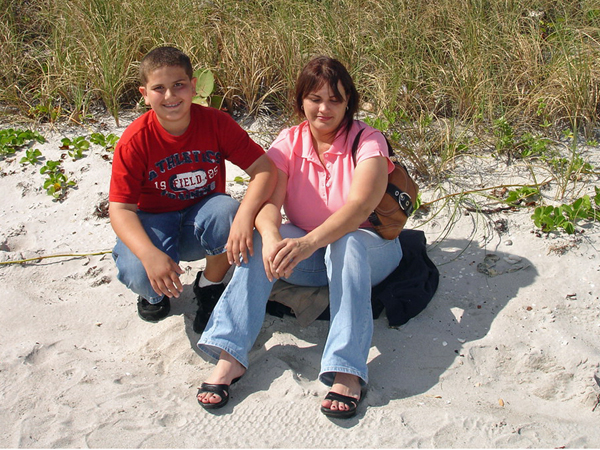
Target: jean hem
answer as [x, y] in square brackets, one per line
[213, 349]
[327, 375]
[153, 300]
[216, 252]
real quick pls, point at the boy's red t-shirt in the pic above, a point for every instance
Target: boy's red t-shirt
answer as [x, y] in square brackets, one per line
[162, 173]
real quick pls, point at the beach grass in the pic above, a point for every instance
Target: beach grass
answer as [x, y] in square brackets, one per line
[440, 75]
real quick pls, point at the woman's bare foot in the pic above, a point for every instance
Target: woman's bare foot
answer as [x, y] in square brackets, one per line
[344, 384]
[227, 369]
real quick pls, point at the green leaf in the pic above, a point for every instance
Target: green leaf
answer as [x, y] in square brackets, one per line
[597, 196]
[569, 227]
[216, 101]
[205, 83]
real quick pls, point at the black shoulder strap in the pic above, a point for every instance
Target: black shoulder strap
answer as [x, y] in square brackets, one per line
[357, 141]
[355, 144]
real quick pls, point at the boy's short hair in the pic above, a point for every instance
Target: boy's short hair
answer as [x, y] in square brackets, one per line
[164, 57]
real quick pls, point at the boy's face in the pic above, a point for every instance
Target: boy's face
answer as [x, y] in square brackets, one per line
[169, 92]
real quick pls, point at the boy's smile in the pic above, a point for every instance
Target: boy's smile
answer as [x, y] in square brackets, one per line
[169, 92]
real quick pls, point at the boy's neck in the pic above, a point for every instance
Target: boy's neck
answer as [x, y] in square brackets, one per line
[175, 129]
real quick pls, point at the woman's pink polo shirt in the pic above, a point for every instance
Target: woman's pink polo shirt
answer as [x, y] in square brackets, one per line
[314, 191]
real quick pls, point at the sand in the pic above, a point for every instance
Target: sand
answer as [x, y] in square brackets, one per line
[506, 355]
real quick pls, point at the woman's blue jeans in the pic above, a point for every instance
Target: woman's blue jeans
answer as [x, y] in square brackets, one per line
[350, 266]
[187, 235]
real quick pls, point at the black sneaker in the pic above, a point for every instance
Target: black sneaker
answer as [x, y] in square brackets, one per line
[153, 312]
[206, 297]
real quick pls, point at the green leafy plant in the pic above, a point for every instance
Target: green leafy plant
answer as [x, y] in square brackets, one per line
[56, 181]
[504, 134]
[12, 140]
[565, 216]
[394, 118]
[205, 86]
[533, 146]
[76, 146]
[550, 218]
[31, 156]
[575, 165]
[377, 122]
[47, 111]
[108, 142]
[568, 134]
[541, 113]
[522, 194]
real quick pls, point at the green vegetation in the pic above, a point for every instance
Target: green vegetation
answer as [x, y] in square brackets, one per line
[31, 156]
[471, 60]
[107, 142]
[56, 181]
[551, 218]
[205, 86]
[12, 140]
[442, 79]
[76, 146]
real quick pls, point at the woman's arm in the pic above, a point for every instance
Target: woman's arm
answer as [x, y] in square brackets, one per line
[263, 177]
[368, 186]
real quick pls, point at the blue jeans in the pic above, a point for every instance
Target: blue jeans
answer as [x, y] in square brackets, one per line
[186, 235]
[350, 266]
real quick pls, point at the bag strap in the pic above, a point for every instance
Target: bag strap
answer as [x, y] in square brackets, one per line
[357, 141]
[403, 199]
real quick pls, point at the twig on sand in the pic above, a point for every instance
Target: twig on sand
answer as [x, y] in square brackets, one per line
[66, 255]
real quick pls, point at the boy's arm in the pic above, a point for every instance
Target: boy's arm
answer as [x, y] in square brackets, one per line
[162, 271]
[268, 221]
[263, 177]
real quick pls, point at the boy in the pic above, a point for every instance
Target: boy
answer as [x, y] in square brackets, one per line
[167, 200]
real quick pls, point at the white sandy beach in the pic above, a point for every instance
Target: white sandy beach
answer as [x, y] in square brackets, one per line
[504, 361]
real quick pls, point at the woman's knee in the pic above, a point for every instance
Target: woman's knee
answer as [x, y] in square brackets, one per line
[347, 245]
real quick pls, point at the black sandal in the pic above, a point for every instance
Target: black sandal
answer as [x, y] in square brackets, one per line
[222, 390]
[352, 402]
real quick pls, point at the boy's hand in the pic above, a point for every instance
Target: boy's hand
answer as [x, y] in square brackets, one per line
[163, 273]
[270, 246]
[239, 243]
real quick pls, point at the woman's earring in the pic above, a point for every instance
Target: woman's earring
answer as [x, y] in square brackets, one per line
[347, 107]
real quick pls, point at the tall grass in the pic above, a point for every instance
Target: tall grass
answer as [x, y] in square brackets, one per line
[448, 62]
[452, 58]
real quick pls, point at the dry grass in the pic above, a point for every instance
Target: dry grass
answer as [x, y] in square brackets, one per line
[430, 64]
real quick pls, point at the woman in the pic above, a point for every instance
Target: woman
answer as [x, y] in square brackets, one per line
[327, 197]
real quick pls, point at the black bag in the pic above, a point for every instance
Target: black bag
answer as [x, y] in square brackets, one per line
[397, 203]
[411, 286]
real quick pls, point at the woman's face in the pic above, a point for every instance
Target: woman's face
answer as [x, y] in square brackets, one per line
[323, 110]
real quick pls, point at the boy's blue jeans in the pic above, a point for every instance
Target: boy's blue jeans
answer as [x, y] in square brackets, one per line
[186, 235]
[350, 266]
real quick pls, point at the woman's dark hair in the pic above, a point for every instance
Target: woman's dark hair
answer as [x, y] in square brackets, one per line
[321, 70]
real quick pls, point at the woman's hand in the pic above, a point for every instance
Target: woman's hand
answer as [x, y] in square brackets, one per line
[288, 253]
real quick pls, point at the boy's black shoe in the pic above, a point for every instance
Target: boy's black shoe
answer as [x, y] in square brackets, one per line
[206, 297]
[153, 313]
